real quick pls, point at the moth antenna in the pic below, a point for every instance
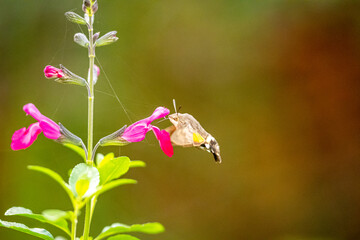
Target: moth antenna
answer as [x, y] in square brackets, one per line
[174, 103]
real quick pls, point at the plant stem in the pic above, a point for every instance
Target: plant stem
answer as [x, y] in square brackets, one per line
[89, 159]
[91, 96]
[74, 223]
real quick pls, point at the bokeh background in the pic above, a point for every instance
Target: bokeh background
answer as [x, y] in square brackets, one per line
[276, 82]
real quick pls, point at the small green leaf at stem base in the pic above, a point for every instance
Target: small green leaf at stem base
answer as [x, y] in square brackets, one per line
[117, 228]
[49, 217]
[111, 168]
[36, 232]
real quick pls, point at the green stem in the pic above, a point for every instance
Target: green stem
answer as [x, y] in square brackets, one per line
[89, 159]
[91, 97]
[74, 224]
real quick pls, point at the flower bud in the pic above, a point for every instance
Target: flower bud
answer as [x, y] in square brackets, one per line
[95, 7]
[107, 39]
[86, 6]
[95, 74]
[114, 139]
[75, 18]
[81, 39]
[90, 6]
[53, 72]
[96, 36]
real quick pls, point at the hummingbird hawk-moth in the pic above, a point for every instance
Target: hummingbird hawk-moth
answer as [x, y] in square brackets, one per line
[186, 131]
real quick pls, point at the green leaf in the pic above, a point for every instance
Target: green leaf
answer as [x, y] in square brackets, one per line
[99, 157]
[77, 149]
[84, 180]
[60, 238]
[113, 184]
[116, 228]
[56, 177]
[137, 163]
[111, 168]
[36, 232]
[123, 237]
[55, 215]
[59, 222]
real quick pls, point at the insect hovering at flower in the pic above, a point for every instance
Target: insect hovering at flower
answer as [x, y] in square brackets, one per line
[186, 131]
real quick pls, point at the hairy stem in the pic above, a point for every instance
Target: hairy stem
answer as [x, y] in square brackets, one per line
[89, 159]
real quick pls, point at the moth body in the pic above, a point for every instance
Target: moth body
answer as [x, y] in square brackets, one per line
[187, 132]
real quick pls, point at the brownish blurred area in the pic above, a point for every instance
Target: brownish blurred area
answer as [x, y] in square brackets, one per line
[277, 83]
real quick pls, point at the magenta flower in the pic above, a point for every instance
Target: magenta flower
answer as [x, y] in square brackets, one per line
[23, 137]
[53, 72]
[136, 132]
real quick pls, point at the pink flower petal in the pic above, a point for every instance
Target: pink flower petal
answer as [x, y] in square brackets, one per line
[53, 72]
[159, 112]
[23, 137]
[31, 110]
[50, 129]
[164, 140]
[136, 132]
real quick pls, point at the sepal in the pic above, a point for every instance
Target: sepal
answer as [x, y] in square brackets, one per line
[75, 18]
[114, 139]
[96, 36]
[70, 78]
[107, 39]
[81, 39]
[68, 137]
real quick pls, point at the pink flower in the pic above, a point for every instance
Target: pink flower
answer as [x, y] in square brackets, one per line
[23, 137]
[53, 72]
[136, 132]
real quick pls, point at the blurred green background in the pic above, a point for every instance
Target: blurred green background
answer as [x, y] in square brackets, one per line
[276, 82]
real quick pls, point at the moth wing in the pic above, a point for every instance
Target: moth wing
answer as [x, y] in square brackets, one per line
[197, 139]
[182, 137]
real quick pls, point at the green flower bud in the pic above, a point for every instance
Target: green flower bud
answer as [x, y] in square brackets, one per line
[81, 39]
[75, 18]
[107, 39]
